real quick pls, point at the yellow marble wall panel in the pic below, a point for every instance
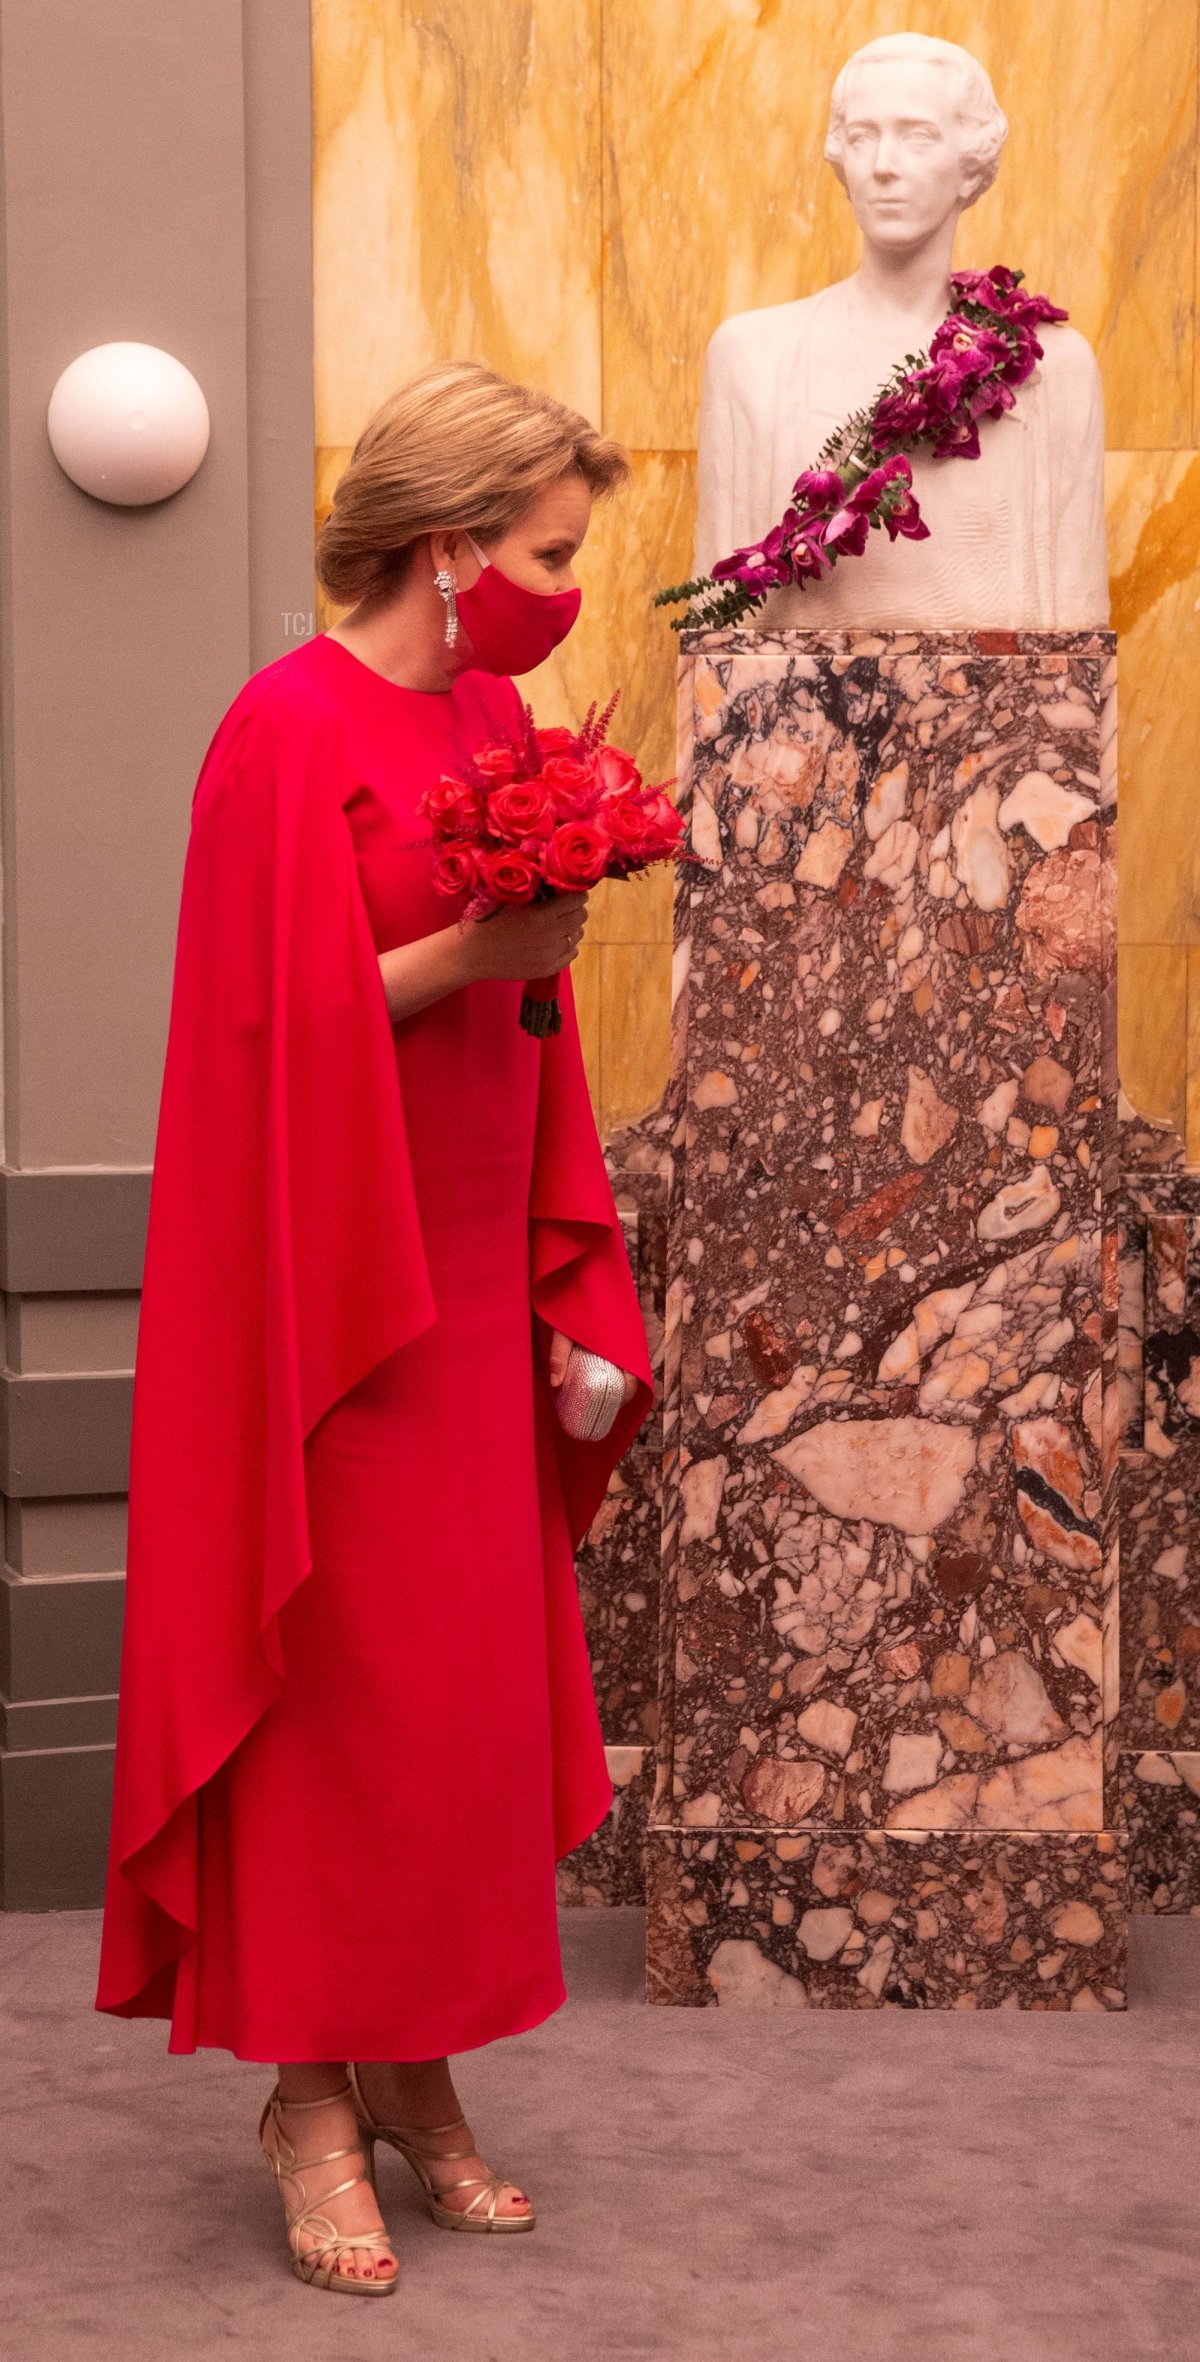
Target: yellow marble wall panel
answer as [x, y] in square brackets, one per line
[586, 983]
[456, 163]
[635, 1029]
[1191, 1124]
[329, 463]
[1152, 1029]
[635, 910]
[1154, 561]
[1195, 434]
[717, 198]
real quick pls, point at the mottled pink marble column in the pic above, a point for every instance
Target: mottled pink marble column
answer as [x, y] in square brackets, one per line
[618, 1561]
[891, 1329]
[1159, 1758]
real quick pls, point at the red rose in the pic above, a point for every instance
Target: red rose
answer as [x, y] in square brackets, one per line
[522, 809]
[628, 825]
[643, 828]
[509, 875]
[615, 769]
[663, 817]
[497, 762]
[577, 855]
[452, 808]
[456, 869]
[565, 780]
[554, 742]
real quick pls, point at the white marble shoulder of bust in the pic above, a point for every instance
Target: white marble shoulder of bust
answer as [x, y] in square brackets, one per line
[745, 333]
[1067, 357]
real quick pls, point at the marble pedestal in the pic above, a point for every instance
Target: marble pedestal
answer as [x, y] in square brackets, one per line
[1159, 1759]
[890, 1423]
[618, 1562]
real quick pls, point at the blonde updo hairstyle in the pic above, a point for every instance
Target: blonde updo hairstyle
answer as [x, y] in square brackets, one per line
[457, 446]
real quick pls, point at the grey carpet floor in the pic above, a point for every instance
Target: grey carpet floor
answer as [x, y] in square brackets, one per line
[713, 2186]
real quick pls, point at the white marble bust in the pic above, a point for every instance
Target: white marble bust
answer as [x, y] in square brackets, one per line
[1016, 536]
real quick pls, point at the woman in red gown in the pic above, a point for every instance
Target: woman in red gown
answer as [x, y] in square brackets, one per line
[357, 1726]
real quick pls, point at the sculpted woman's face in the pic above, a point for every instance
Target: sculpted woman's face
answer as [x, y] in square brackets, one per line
[903, 163]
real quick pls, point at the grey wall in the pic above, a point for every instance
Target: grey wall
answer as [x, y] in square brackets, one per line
[155, 183]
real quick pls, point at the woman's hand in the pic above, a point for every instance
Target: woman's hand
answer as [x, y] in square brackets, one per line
[522, 939]
[525, 938]
[560, 1349]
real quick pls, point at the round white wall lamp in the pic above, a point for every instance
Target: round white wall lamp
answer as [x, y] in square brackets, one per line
[128, 423]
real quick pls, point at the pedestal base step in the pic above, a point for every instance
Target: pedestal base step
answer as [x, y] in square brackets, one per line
[810, 1919]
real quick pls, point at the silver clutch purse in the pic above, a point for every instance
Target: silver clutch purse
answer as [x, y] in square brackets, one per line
[590, 1394]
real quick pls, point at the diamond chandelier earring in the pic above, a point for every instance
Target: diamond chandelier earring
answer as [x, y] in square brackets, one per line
[446, 584]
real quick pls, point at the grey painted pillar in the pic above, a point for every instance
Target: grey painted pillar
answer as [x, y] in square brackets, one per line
[155, 183]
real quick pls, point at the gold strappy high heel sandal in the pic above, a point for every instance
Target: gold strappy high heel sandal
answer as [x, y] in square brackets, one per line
[317, 2264]
[401, 2137]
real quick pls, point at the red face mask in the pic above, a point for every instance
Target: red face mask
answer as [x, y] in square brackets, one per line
[510, 628]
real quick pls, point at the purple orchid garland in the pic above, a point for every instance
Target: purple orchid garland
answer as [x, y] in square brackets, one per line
[985, 347]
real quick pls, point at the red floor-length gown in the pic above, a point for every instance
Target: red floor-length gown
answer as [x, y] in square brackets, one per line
[356, 1725]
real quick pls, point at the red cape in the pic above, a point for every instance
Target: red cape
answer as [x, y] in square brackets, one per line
[283, 1260]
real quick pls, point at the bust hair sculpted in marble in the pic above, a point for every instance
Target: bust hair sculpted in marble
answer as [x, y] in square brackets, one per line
[1017, 536]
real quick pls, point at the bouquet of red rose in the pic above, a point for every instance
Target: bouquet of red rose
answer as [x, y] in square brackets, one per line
[545, 812]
